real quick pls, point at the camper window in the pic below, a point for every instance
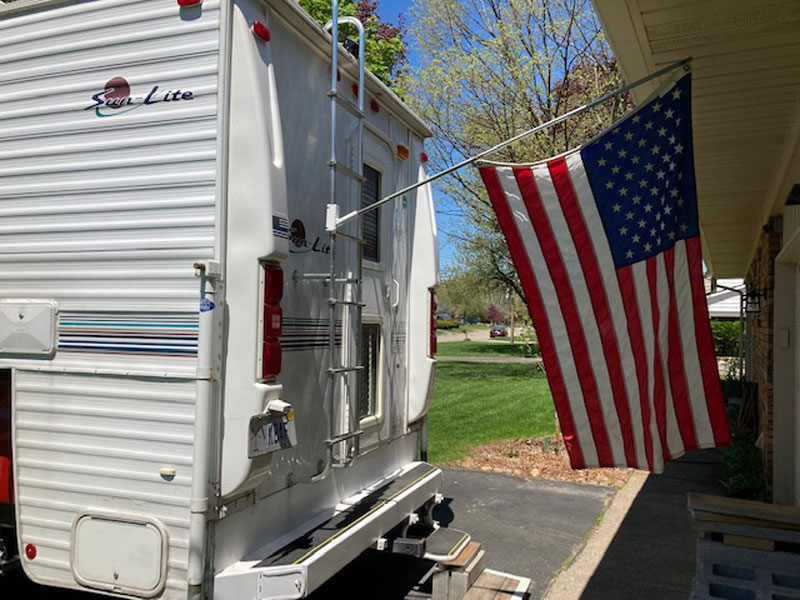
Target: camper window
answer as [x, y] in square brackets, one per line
[370, 221]
[368, 382]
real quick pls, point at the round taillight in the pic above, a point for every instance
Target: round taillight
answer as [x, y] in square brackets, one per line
[261, 31]
[30, 551]
[188, 3]
[424, 157]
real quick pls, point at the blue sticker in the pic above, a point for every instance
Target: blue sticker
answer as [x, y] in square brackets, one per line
[206, 305]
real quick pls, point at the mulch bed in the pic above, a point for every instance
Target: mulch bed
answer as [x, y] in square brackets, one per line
[538, 458]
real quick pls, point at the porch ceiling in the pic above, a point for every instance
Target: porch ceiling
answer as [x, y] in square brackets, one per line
[746, 104]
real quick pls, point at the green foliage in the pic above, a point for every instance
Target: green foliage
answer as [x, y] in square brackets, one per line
[527, 337]
[481, 403]
[742, 465]
[443, 324]
[384, 50]
[726, 337]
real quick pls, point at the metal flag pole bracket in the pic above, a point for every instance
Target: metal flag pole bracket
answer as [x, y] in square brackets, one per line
[575, 111]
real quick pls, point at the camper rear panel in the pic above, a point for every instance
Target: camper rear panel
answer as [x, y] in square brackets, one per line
[108, 195]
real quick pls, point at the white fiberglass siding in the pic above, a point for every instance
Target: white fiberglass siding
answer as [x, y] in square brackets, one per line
[105, 209]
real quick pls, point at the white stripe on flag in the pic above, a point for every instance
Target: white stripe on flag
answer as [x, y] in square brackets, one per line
[553, 313]
[691, 360]
[639, 271]
[662, 285]
[605, 262]
[569, 257]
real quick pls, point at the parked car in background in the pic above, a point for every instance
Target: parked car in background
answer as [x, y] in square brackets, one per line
[498, 331]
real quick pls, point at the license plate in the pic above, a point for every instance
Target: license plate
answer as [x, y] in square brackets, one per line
[269, 433]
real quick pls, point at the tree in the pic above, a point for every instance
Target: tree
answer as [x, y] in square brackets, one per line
[494, 314]
[490, 69]
[384, 49]
[462, 295]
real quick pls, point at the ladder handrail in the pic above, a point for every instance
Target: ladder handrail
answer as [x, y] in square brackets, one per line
[334, 369]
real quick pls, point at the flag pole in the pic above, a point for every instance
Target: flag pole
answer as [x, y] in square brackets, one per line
[613, 94]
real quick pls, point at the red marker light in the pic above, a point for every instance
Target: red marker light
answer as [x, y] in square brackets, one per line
[188, 3]
[30, 551]
[355, 89]
[374, 106]
[338, 75]
[261, 31]
[424, 157]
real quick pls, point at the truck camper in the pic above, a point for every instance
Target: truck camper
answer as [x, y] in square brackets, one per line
[208, 387]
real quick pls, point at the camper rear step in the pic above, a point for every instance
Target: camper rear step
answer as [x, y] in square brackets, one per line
[298, 567]
[466, 578]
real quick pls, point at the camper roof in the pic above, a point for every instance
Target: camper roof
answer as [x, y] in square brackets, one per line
[299, 20]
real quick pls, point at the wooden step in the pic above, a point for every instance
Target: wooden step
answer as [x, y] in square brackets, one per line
[457, 576]
[496, 585]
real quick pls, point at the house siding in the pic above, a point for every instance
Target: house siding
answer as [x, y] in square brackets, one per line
[761, 277]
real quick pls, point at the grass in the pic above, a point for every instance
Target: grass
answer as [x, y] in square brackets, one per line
[480, 403]
[470, 348]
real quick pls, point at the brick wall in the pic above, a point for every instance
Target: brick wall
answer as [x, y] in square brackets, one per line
[761, 277]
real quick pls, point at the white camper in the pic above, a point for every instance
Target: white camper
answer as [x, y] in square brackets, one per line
[204, 390]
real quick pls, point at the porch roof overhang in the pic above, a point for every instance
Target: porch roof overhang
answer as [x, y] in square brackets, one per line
[746, 104]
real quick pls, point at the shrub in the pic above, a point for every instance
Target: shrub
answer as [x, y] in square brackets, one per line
[726, 337]
[741, 464]
[441, 324]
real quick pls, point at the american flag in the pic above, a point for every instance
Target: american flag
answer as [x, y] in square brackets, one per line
[606, 241]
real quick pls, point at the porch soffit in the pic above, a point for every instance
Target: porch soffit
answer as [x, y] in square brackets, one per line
[746, 104]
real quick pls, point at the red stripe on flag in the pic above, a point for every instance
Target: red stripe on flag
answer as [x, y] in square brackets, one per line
[597, 295]
[677, 376]
[628, 291]
[566, 299]
[659, 394]
[705, 346]
[538, 315]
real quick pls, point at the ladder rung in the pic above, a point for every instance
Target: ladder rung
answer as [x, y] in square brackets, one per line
[324, 277]
[344, 437]
[338, 370]
[347, 171]
[346, 104]
[346, 302]
[349, 238]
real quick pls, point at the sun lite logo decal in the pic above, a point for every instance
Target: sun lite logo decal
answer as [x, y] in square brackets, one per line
[116, 99]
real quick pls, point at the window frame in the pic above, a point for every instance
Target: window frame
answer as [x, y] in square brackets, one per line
[373, 420]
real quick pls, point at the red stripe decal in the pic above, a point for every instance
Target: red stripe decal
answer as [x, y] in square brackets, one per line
[677, 376]
[566, 299]
[705, 346]
[629, 301]
[538, 315]
[597, 294]
[659, 394]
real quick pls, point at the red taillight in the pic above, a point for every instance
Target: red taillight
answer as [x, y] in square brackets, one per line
[375, 106]
[261, 31]
[272, 316]
[6, 493]
[187, 3]
[424, 157]
[434, 308]
[30, 551]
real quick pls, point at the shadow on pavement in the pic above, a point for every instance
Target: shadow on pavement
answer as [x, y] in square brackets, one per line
[653, 553]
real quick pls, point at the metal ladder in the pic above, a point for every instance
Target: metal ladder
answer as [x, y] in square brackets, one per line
[341, 394]
[345, 296]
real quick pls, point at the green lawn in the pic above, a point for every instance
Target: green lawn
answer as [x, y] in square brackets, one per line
[469, 348]
[479, 403]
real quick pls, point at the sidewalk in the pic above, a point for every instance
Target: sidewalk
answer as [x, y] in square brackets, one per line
[648, 550]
